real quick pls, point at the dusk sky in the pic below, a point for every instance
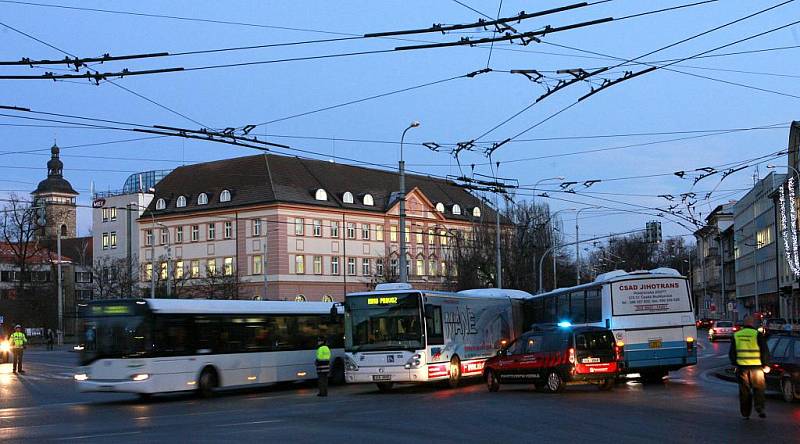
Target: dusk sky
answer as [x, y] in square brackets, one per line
[677, 99]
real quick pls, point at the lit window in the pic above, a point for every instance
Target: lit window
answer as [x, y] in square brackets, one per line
[105, 214]
[393, 233]
[212, 231]
[300, 264]
[440, 207]
[179, 234]
[351, 266]
[351, 230]
[256, 227]
[379, 232]
[347, 197]
[163, 271]
[365, 267]
[148, 237]
[335, 265]
[195, 233]
[181, 202]
[432, 267]
[443, 268]
[764, 237]
[105, 241]
[321, 195]
[327, 298]
[161, 204]
[317, 264]
[335, 229]
[227, 266]
[476, 212]
[365, 231]
[225, 196]
[148, 271]
[112, 213]
[299, 298]
[228, 230]
[113, 239]
[211, 267]
[420, 267]
[299, 227]
[418, 235]
[202, 199]
[431, 236]
[443, 237]
[368, 200]
[195, 268]
[178, 270]
[456, 209]
[258, 264]
[317, 225]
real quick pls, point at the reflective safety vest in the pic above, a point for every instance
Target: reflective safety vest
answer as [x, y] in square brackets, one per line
[323, 353]
[18, 339]
[747, 351]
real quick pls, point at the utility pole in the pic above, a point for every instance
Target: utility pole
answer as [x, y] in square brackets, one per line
[499, 261]
[60, 291]
[264, 259]
[402, 168]
[129, 247]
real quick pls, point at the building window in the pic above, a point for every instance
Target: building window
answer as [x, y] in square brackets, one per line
[443, 237]
[299, 225]
[228, 230]
[365, 231]
[212, 231]
[225, 196]
[476, 212]
[443, 268]
[317, 264]
[420, 267]
[194, 271]
[351, 266]
[163, 271]
[393, 233]
[63, 231]
[256, 227]
[406, 234]
[105, 214]
[112, 213]
[227, 266]
[181, 202]
[394, 267]
[347, 197]
[440, 207]
[456, 209]
[317, 227]
[105, 241]
[178, 270]
[83, 277]
[335, 229]
[368, 200]
[113, 239]
[148, 271]
[321, 194]
[299, 298]
[258, 264]
[179, 234]
[211, 267]
[764, 237]
[300, 264]
[148, 237]
[351, 230]
[335, 265]
[202, 199]
[379, 267]
[327, 298]
[161, 204]
[432, 267]
[431, 236]
[195, 233]
[419, 236]
[379, 232]
[365, 267]
[164, 236]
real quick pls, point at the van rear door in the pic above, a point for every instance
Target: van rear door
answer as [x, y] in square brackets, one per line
[594, 352]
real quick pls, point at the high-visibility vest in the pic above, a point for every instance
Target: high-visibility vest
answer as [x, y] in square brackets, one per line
[747, 350]
[18, 339]
[323, 353]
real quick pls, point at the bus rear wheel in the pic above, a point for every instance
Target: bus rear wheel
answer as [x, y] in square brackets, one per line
[207, 383]
[455, 372]
[385, 386]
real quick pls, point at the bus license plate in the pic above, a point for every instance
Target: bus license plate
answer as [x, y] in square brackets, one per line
[655, 343]
[381, 377]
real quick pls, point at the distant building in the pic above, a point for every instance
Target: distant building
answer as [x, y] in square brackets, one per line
[58, 197]
[711, 281]
[277, 227]
[787, 280]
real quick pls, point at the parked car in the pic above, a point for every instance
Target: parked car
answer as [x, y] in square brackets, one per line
[704, 323]
[551, 357]
[721, 330]
[784, 365]
[774, 324]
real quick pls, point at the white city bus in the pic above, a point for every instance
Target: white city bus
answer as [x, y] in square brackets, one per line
[148, 346]
[650, 312]
[397, 334]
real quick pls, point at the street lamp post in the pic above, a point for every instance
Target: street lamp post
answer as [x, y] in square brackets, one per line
[577, 246]
[169, 260]
[402, 168]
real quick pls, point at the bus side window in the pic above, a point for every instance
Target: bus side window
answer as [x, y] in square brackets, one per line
[549, 310]
[577, 304]
[563, 307]
[171, 336]
[433, 322]
[594, 305]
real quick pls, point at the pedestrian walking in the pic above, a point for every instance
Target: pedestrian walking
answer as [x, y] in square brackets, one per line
[18, 343]
[749, 354]
[323, 364]
[51, 339]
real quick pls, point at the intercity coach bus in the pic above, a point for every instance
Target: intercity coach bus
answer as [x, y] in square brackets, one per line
[149, 346]
[397, 334]
[650, 313]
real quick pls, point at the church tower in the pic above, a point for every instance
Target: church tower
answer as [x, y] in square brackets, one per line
[58, 198]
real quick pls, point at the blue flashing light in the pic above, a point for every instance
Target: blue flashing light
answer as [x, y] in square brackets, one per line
[565, 324]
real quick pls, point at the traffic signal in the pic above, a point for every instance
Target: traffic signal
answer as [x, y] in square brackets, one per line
[652, 233]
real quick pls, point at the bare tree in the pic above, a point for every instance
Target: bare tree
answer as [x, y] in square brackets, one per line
[19, 233]
[111, 278]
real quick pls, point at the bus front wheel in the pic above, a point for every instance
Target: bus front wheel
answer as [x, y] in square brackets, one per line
[455, 372]
[207, 383]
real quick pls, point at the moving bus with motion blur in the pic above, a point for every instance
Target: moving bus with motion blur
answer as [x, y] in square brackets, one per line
[397, 334]
[149, 346]
[650, 313]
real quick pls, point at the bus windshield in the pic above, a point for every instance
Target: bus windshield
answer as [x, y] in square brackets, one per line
[383, 322]
[114, 337]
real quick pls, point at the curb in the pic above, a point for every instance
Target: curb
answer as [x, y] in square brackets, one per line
[725, 374]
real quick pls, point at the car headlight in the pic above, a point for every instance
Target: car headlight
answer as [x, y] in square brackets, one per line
[81, 376]
[78, 348]
[5, 346]
[140, 376]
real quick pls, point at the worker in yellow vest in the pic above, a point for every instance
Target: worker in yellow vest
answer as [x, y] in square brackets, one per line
[323, 364]
[749, 354]
[18, 343]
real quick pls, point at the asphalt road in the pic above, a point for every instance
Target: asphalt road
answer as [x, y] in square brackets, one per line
[693, 406]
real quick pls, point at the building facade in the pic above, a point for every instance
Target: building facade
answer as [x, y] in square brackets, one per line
[57, 197]
[715, 280]
[284, 228]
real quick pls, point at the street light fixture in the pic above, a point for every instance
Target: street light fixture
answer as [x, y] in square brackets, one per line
[402, 168]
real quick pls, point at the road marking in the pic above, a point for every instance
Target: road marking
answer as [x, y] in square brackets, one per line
[266, 421]
[102, 435]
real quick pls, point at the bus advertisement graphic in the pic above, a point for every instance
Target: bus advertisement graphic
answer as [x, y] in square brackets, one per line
[649, 296]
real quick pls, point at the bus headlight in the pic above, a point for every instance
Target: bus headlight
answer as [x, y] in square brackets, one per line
[81, 376]
[350, 365]
[140, 377]
[413, 362]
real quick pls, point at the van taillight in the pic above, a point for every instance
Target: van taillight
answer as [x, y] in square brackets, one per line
[571, 355]
[618, 350]
[690, 343]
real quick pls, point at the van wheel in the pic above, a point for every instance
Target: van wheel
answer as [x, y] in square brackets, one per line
[787, 390]
[491, 381]
[455, 372]
[606, 385]
[385, 386]
[554, 383]
[207, 383]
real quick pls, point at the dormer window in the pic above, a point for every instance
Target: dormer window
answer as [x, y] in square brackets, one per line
[456, 209]
[321, 195]
[440, 207]
[202, 199]
[161, 204]
[347, 197]
[225, 196]
[368, 200]
[181, 202]
[476, 212]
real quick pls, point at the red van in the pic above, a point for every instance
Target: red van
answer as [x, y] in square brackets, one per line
[553, 357]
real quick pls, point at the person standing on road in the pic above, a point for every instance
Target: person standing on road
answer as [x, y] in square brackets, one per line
[51, 338]
[749, 354]
[18, 342]
[323, 364]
